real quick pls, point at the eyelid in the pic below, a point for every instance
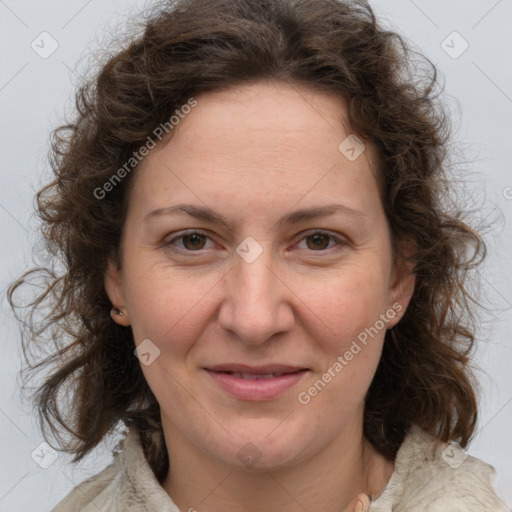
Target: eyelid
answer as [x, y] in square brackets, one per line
[181, 234]
[340, 241]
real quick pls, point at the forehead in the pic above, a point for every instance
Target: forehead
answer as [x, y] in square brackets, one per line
[278, 141]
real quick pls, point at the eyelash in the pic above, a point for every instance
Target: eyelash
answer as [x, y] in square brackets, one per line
[170, 244]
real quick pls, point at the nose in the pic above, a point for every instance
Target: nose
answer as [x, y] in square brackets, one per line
[257, 303]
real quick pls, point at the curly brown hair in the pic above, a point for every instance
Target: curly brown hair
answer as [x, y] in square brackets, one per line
[189, 47]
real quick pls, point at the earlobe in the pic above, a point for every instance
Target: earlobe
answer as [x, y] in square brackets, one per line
[114, 288]
[401, 296]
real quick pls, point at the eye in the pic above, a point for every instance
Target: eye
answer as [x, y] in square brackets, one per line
[195, 241]
[319, 241]
[192, 241]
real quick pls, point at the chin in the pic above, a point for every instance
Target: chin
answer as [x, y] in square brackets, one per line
[270, 449]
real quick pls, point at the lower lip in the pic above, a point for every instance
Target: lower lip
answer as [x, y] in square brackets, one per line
[256, 389]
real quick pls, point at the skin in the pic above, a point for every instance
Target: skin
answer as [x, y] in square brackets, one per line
[253, 154]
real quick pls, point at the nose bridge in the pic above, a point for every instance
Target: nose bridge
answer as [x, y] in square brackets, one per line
[255, 305]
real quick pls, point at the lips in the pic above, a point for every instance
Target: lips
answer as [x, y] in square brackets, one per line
[250, 376]
[263, 370]
[256, 383]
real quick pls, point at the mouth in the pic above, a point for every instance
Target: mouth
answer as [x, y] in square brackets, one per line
[257, 376]
[256, 383]
[267, 369]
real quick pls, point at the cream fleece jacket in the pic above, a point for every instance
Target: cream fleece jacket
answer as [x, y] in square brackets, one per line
[429, 476]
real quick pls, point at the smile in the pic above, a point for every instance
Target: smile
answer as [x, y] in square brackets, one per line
[255, 387]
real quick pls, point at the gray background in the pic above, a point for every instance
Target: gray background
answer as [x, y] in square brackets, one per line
[35, 94]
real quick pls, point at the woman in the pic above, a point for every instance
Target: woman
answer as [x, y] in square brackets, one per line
[263, 279]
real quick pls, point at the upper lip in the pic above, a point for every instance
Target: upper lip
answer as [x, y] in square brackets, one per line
[255, 370]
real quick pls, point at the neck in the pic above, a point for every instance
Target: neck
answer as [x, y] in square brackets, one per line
[330, 480]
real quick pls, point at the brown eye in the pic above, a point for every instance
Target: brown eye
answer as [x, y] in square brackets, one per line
[194, 241]
[319, 241]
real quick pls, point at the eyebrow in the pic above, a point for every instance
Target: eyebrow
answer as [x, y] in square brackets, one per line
[205, 213]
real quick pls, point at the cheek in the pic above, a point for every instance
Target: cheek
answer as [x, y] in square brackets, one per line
[351, 302]
[350, 333]
[171, 312]
[168, 305]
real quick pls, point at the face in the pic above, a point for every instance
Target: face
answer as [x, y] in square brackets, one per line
[237, 281]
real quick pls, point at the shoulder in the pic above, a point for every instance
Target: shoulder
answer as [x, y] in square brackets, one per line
[90, 494]
[433, 476]
[127, 484]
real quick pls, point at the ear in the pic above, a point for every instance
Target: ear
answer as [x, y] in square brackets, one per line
[114, 287]
[403, 281]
